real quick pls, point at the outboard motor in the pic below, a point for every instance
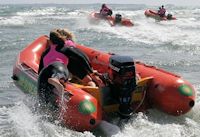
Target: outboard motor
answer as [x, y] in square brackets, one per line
[123, 82]
[118, 18]
[169, 16]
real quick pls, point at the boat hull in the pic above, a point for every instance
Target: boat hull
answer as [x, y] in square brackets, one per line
[96, 17]
[83, 107]
[167, 92]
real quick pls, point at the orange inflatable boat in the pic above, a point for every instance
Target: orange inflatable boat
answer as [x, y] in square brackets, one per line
[83, 107]
[112, 20]
[154, 14]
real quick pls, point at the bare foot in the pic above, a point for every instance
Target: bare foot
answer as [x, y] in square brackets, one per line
[56, 83]
[97, 80]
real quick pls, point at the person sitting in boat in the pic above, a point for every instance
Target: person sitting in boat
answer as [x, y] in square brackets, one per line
[161, 11]
[105, 11]
[62, 51]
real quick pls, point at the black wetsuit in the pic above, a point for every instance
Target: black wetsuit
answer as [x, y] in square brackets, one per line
[54, 70]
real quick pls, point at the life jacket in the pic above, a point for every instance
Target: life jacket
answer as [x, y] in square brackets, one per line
[162, 11]
[104, 11]
[54, 56]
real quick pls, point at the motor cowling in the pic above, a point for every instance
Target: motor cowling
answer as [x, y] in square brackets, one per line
[169, 16]
[118, 18]
[123, 78]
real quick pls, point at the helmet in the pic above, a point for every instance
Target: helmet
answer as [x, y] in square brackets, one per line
[59, 71]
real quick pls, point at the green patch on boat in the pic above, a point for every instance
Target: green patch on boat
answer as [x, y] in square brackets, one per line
[86, 107]
[27, 84]
[185, 90]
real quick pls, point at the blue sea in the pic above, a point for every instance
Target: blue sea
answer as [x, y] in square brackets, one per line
[171, 45]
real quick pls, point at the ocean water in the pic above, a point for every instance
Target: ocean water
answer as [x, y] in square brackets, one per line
[171, 45]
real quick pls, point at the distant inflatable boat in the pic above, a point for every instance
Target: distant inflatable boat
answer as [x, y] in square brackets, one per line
[84, 107]
[154, 14]
[112, 20]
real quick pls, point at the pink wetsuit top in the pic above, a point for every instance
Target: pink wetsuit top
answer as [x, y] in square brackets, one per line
[70, 43]
[162, 11]
[53, 56]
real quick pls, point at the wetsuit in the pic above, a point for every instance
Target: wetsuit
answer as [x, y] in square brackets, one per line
[105, 11]
[161, 12]
[69, 43]
[45, 90]
[78, 64]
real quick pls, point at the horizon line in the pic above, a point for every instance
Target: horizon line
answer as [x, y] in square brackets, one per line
[90, 4]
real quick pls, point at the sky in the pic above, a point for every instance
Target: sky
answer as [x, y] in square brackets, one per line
[148, 2]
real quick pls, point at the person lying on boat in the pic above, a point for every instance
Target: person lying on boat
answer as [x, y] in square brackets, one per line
[68, 55]
[161, 11]
[105, 11]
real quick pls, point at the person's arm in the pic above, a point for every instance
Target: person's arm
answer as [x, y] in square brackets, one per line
[41, 65]
[72, 52]
[101, 11]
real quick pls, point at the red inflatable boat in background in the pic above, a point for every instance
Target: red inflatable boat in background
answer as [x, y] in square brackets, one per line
[112, 20]
[83, 108]
[154, 14]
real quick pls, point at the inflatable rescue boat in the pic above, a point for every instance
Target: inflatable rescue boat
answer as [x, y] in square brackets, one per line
[84, 107]
[112, 20]
[154, 14]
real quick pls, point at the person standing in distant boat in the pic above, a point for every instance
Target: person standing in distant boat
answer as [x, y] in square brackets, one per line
[161, 11]
[105, 11]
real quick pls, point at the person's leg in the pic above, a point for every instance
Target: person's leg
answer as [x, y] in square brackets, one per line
[50, 79]
[56, 83]
[87, 80]
[95, 76]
